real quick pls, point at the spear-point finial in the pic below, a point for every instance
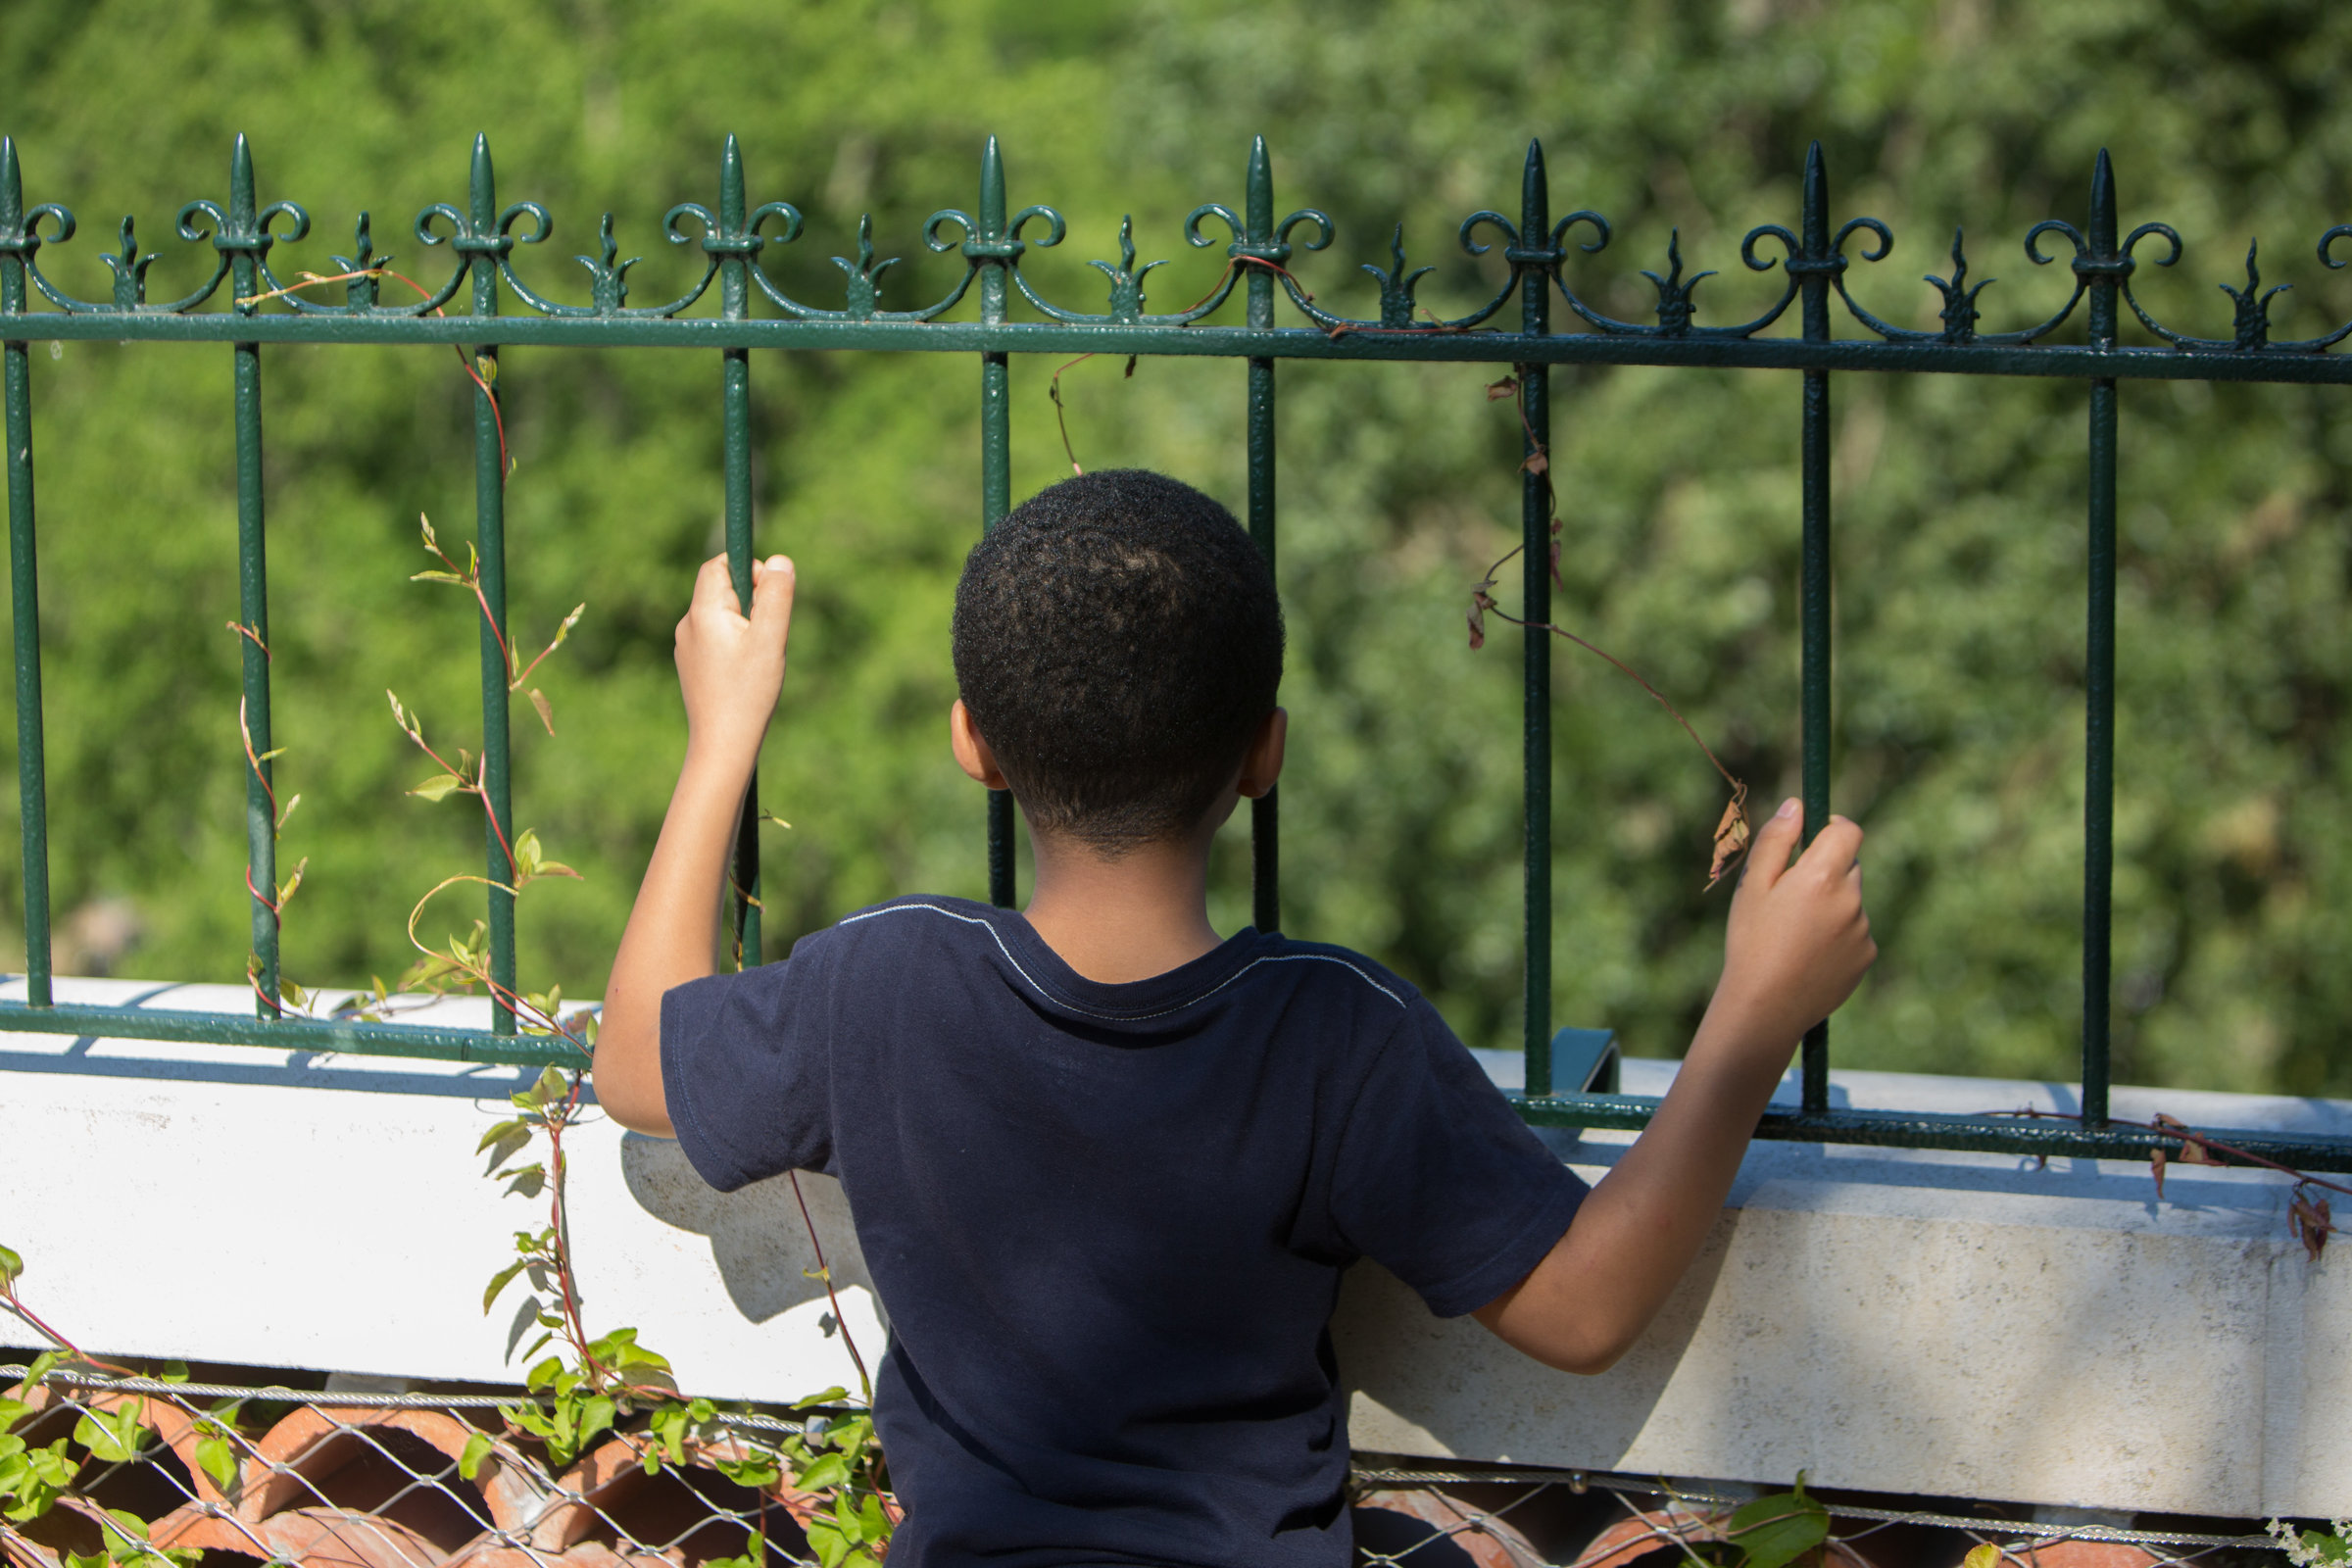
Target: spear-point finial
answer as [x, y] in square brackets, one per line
[1816, 202]
[1535, 197]
[11, 185]
[1260, 214]
[2102, 206]
[730, 187]
[992, 191]
[481, 196]
[240, 186]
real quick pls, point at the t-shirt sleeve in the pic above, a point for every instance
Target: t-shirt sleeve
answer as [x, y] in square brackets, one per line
[1439, 1179]
[746, 1073]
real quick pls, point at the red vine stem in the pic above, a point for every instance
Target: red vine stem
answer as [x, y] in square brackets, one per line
[16, 1304]
[825, 1272]
[313, 280]
[1623, 667]
[2186, 1136]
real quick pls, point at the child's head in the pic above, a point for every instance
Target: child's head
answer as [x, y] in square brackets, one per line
[1119, 643]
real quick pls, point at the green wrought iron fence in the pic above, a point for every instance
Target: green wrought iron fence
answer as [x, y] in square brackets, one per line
[482, 237]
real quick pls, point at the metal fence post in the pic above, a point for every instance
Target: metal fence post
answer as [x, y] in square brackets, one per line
[32, 787]
[2104, 268]
[240, 237]
[1265, 812]
[490, 531]
[1814, 593]
[990, 247]
[1535, 576]
[736, 398]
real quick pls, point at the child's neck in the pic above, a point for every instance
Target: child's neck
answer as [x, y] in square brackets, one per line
[1129, 919]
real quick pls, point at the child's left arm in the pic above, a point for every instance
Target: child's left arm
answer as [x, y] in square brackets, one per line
[730, 671]
[1797, 946]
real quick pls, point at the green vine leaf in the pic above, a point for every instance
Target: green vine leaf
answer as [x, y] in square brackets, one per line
[477, 1448]
[439, 787]
[499, 1281]
[12, 1264]
[1773, 1532]
[112, 1436]
[216, 1456]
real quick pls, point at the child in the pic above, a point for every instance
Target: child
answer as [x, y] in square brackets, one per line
[1107, 1168]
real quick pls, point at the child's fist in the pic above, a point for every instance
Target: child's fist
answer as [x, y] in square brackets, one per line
[1798, 940]
[731, 666]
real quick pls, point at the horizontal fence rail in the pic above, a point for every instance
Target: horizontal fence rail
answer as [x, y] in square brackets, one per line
[748, 308]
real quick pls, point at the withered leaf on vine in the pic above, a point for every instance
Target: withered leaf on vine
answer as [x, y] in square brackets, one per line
[2312, 1223]
[1731, 836]
[1496, 391]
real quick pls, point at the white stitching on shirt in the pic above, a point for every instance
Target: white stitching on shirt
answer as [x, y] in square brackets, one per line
[1126, 1018]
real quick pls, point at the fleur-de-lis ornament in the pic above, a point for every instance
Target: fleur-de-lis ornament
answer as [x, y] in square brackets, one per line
[1675, 309]
[363, 291]
[2253, 305]
[865, 274]
[609, 283]
[1126, 283]
[1397, 285]
[130, 270]
[1959, 311]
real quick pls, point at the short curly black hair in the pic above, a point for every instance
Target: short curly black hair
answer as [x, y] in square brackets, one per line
[1118, 642]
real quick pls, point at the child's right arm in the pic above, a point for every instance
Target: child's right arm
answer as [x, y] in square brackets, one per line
[1797, 946]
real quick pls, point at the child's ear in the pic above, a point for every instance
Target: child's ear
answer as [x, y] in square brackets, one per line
[1262, 764]
[972, 750]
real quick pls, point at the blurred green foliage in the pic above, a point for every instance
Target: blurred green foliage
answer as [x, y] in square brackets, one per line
[1959, 532]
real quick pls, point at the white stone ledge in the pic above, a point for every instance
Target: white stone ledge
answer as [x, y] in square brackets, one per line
[1890, 1320]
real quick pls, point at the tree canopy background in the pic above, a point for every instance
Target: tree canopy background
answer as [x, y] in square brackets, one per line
[1959, 502]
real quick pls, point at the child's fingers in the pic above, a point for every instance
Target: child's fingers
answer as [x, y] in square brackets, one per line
[1768, 855]
[1838, 850]
[771, 596]
[713, 586]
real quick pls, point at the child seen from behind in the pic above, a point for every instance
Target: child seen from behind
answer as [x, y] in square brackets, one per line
[1107, 1168]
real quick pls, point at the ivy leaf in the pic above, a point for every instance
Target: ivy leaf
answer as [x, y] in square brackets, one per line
[439, 786]
[477, 1448]
[1984, 1555]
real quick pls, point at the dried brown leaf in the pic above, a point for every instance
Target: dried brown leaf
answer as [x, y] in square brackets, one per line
[547, 713]
[2156, 1169]
[1496, 391]
[2312, 1223]
[1537, 463]
[1731, 837]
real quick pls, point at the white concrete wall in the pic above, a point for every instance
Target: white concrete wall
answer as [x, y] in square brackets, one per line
[1898, 1321]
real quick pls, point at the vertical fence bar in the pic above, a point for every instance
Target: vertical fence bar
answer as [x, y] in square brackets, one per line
[490, 534]
[253, 599]
[1814, 592]
[996, 459]
[32, 787]
[1265, 812]
[1535, 523]
[736, 396]
[2098, 671]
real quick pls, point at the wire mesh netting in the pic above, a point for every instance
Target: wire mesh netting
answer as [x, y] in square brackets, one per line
[103, 1472]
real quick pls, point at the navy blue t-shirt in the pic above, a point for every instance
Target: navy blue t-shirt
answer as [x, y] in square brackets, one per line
[1108, 1222]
